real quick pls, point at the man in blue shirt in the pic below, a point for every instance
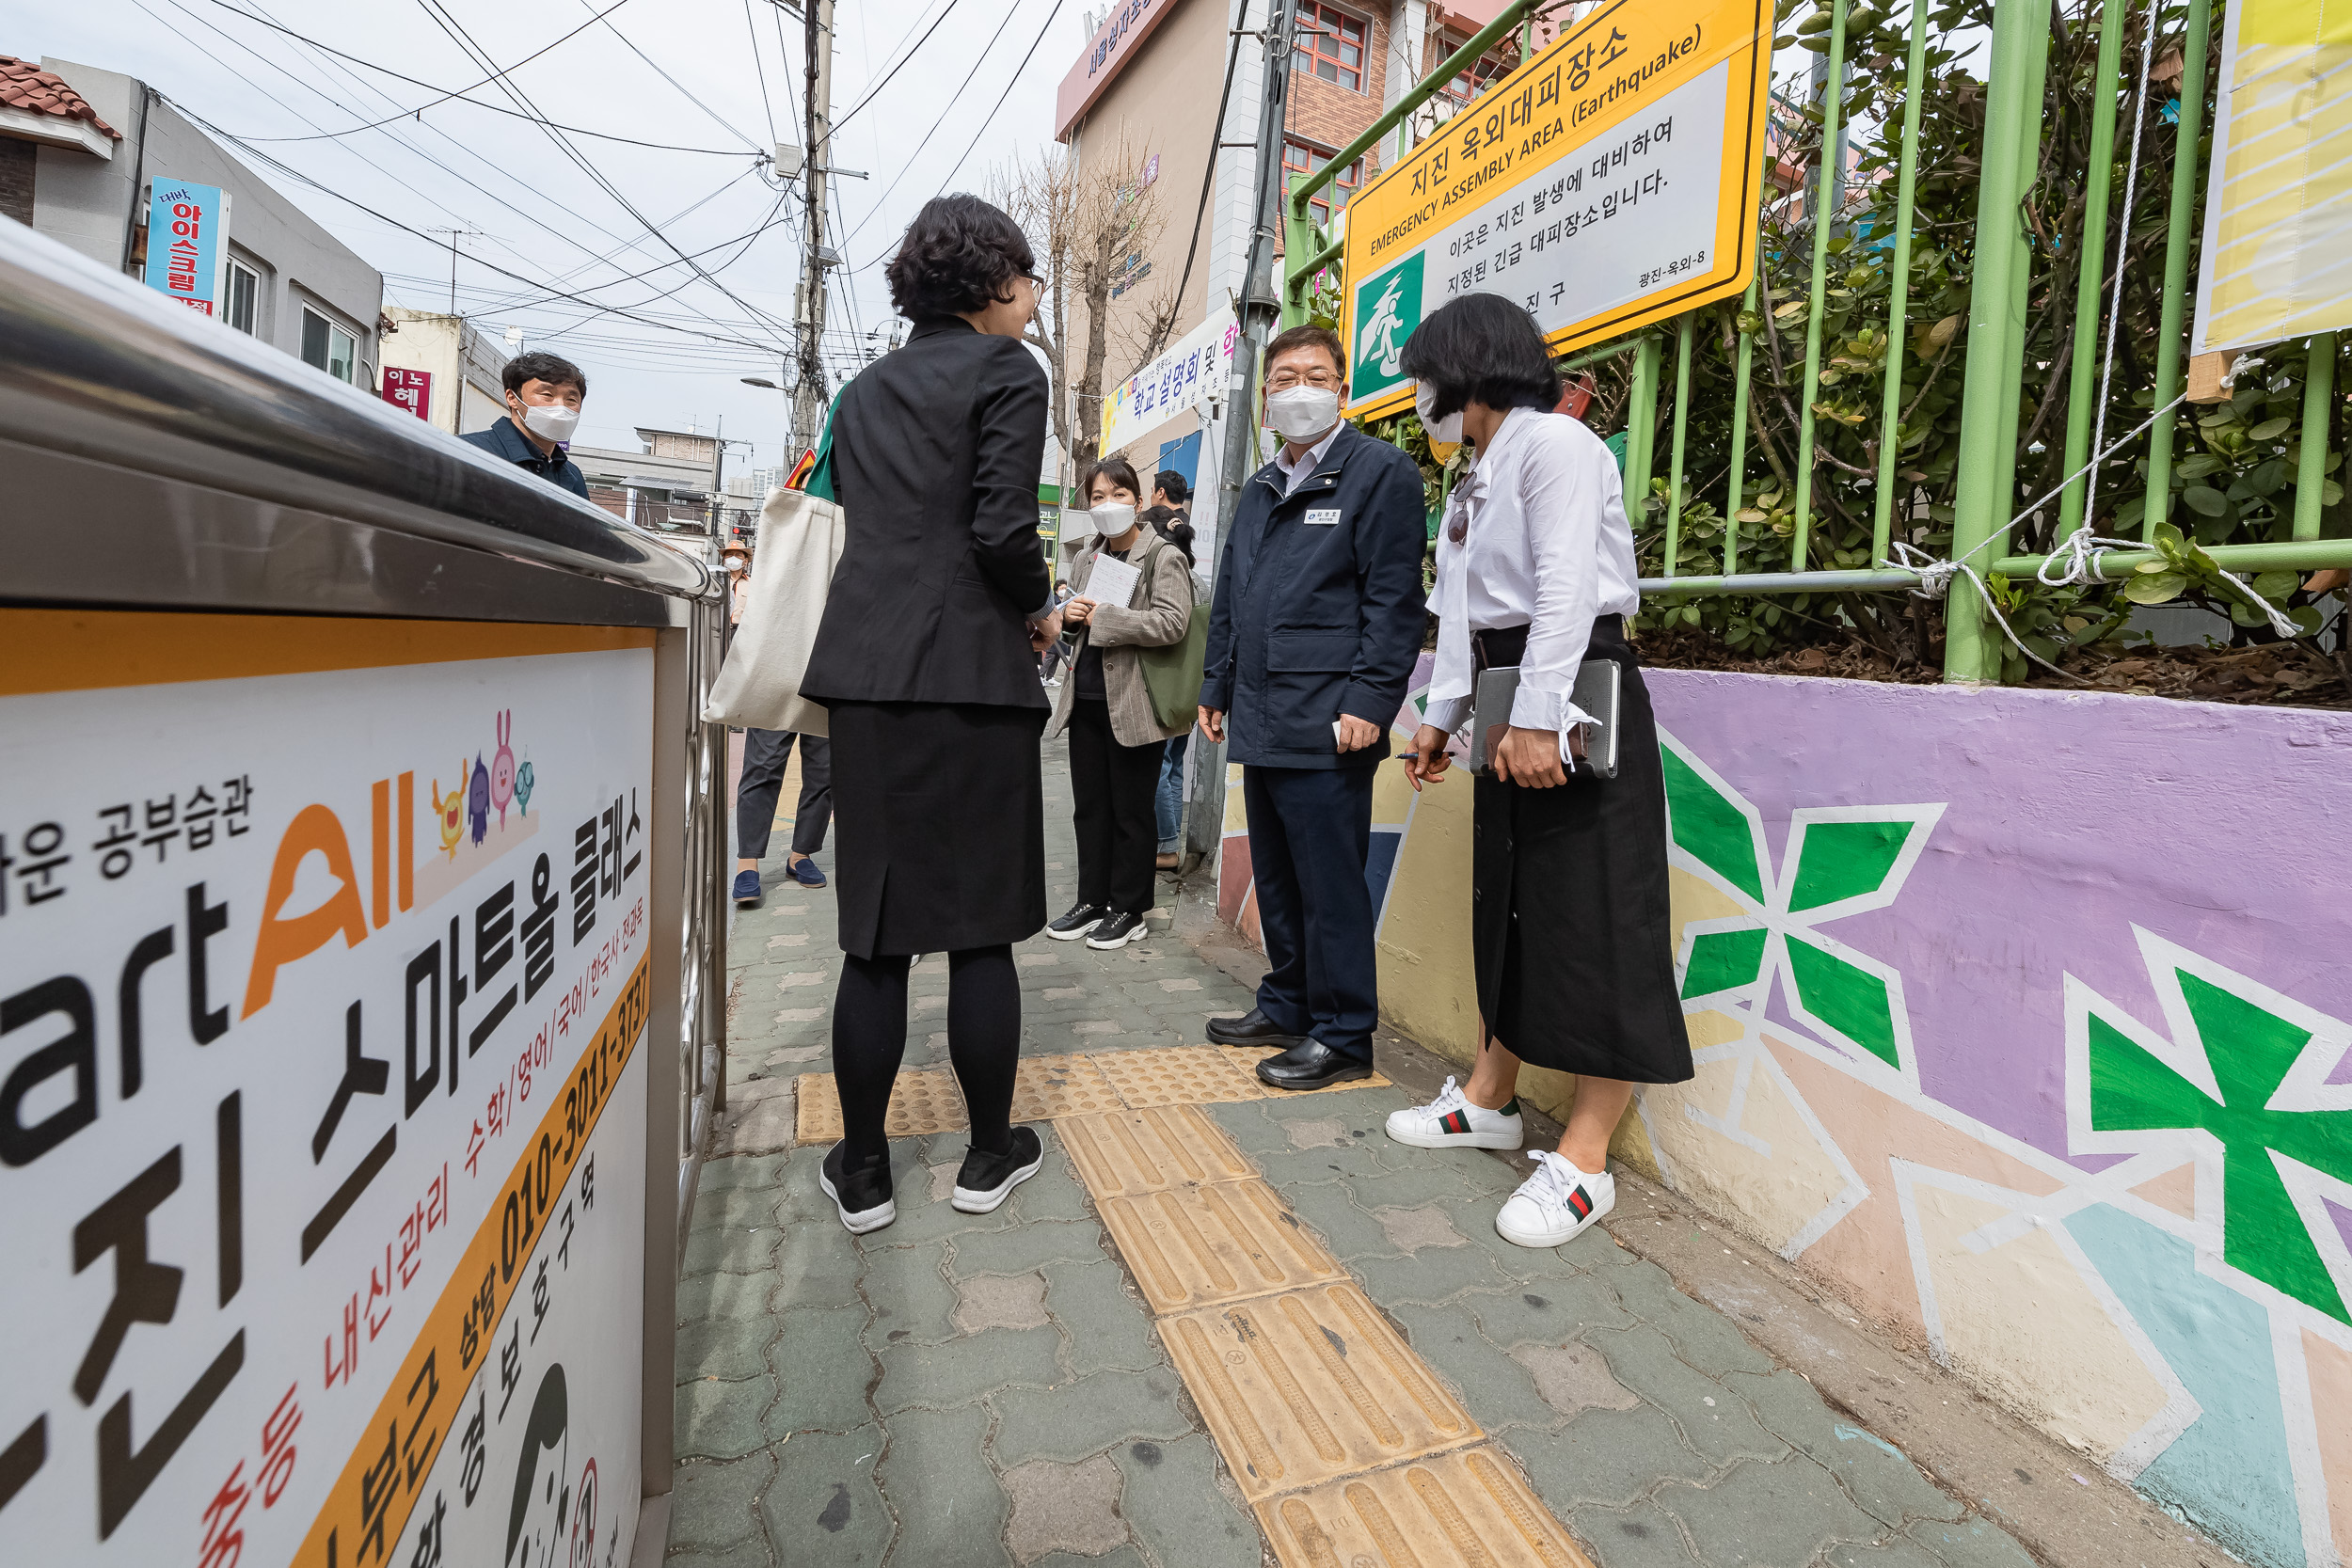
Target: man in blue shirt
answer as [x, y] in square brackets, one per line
[543, 398]
[1315, 625]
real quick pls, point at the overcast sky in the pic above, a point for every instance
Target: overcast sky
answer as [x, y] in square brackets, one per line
[537, 213]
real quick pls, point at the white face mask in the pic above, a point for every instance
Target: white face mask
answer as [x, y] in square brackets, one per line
[550, 421]
[734, 563]
[1302, 413]
[1448, 430]
[1112, 519]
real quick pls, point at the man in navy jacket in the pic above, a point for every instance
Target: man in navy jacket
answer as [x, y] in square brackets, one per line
[1314, 629]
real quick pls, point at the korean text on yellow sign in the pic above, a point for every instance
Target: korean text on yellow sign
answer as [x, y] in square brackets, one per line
[1610, 181]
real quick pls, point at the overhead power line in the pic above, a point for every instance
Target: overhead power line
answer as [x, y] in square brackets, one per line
[292, 173]
[893, 71]
[446, 96]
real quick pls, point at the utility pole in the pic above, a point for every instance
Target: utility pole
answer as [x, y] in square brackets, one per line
[454, 234]
[808, 392]
[1261, 308]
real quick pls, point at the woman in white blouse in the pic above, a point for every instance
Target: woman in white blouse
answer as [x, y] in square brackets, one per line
[1574, 950]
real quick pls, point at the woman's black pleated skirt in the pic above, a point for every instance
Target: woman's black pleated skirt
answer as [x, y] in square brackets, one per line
[939, 826]
[1571, 931]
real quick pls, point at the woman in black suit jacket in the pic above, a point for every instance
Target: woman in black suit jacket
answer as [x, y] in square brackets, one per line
[927, 662]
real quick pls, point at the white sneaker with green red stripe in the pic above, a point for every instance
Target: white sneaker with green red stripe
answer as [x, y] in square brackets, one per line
[1450, 1121]
[1556, 1204]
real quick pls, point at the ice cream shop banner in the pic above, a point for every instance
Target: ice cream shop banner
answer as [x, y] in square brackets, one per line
[323, 983]
[2021, 1018]
[187, 235]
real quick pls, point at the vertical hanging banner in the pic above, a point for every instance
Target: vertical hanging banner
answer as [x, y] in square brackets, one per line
[324, 978]
[187, 235]
[2278, 197]
[1609, 182]
[410, 389]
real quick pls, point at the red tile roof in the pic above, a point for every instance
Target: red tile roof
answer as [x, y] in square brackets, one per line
[25, 86]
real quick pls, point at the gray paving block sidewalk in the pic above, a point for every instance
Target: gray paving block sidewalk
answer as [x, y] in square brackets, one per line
[960, 1389]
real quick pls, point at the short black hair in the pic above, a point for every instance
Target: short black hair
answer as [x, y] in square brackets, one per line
[957, 254]
[1118, 470]
[553, 369]
[1483, 347]
[1309, 336]
[1172, 485]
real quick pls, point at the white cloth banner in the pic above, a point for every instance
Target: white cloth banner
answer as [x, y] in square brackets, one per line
[1194, 369]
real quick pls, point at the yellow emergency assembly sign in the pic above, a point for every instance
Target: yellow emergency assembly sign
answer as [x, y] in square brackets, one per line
[1610, 181]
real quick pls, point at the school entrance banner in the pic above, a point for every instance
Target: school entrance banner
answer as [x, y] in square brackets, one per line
[1610, 181]
[323, 982]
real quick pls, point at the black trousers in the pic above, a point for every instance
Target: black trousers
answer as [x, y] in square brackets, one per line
[1119, 835]
[764, 753]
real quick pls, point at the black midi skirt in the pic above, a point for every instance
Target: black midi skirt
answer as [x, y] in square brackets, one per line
[939, 825]
[1571, 931]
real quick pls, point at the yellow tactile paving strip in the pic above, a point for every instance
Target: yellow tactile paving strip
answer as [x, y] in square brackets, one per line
[1195, 1245]
[1047, 1089]
[1149, 1150]
[1470, 1507]
[1305, 1386]
[1349, 1448]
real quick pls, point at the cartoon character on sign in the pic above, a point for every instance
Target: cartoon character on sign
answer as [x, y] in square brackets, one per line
[1380, 332]
[543, 1499]
[478, 799]
[449, 808]
[502, 765]
[524, 785]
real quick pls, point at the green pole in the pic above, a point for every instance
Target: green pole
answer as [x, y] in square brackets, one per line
[1996, 323]
[2082, 384]
[2310, 470]
[1640, 428]
[1827, 178]
[1674, 462]
[2186, 167]
[1740, 430]
[1298, 238]
[1899, 286]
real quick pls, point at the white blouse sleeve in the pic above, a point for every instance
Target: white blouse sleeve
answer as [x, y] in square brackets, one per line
[1566, 500]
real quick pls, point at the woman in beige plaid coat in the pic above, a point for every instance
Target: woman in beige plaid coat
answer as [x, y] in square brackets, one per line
[1116, 742]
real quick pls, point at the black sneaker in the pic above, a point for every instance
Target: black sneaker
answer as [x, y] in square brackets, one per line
[861, 1193]
[1081, 919]
[1117, 931]
[987, 1180]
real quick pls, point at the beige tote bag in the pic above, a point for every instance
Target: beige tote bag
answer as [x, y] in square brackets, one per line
[759, 687]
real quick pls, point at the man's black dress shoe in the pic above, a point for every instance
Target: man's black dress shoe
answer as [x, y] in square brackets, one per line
[1310, 1064]
[1252, 1028]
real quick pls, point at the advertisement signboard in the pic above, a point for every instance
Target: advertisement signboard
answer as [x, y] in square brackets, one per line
[324, 978]
[1609, 182]
[187, 235]
[1180, 377]
[410, 389]
[2278, 198]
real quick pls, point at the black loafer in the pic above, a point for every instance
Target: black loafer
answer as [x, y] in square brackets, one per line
[1252, 1028]
[1310, 1064]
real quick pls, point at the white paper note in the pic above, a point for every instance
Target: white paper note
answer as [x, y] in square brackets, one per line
[1111, 583]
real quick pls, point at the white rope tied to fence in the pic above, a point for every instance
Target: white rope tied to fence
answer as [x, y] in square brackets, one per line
[1935, 577]
[2078, 560]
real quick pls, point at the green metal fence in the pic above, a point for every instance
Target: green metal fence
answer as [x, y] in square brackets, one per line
[2062, 206]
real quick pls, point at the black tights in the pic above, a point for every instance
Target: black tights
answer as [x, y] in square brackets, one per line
[869, 1039]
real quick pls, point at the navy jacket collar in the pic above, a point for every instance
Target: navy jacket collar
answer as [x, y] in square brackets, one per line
[1350, 439]
[516, 447]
